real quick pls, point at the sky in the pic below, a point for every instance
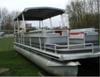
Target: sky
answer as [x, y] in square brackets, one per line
[19, 5]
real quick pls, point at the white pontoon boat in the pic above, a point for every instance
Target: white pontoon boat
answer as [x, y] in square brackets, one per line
[56, 51]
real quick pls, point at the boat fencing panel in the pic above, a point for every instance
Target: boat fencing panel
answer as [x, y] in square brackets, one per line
[77, 38]
[92, 39]
[66, 48]
[57, 40]
[42, 44]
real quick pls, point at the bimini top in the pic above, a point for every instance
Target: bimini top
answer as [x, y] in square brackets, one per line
[39, 13]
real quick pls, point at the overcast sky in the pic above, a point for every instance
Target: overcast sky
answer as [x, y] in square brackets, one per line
[19, 5]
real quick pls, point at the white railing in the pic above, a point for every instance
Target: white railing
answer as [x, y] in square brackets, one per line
[56, 47]
[70, 47]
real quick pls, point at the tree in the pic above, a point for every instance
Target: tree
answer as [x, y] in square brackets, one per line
[7, 22]
[83, 13]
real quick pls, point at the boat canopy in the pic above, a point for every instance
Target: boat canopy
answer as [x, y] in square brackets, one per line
[39, 13]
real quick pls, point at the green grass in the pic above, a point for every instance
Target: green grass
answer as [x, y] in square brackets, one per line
[18, 65]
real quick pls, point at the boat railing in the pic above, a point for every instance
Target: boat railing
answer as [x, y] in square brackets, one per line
[56, 47]
[44, 32]
[70, 47]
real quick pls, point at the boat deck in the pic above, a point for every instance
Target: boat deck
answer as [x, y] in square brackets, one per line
[81, 56]
[64, 54]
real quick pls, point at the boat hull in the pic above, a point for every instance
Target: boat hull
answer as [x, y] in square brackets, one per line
[53, 67]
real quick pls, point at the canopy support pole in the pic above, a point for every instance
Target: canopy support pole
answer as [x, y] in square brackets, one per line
[50, 22]
[18, 25]
[42, 24]
[39, 24]
[23, 26]
[14, 32]
[68, 38]
[62, 21]
[18, 29]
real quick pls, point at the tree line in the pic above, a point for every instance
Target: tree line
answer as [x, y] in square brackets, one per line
[84, 13]
[81, 14]
[6, 20]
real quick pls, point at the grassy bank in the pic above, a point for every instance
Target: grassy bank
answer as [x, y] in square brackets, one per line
[18, 65]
